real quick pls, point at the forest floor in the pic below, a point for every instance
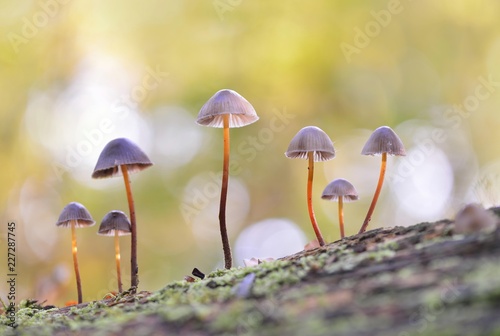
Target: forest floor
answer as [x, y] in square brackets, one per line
[420, 280]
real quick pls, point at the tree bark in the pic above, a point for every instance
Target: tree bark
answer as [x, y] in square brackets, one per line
[418, 280]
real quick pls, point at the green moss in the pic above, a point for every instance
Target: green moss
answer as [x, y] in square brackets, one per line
[236, 314]
[304, 291]
[372, 283]
[485, 282]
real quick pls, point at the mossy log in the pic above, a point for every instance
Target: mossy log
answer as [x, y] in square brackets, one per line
[418, 280]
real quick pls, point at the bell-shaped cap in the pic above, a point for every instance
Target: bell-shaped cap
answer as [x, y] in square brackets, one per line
[115, 220]
[240, 111]
[384, 140]
[76, 213]
[311, 139]
[340, 188]
[119, 152]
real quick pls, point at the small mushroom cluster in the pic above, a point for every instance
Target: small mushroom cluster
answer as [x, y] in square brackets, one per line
[225, 109]
[313, 144]
[119, 157]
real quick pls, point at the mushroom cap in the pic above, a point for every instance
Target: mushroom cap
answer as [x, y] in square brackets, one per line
[75, 211]
[115, 220]
[384, 140]
[340, 188]
[241, 112]
[119, 152]
[473, 218]
[311, 139]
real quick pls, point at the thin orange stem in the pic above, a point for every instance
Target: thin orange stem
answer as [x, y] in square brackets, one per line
[75, 261]
[341, 216]
[117, 257]
[309, 199]
[223, 197]
[377, 193]
[134, 269]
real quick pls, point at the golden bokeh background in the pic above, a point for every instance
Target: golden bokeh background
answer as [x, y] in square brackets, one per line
[77, 74]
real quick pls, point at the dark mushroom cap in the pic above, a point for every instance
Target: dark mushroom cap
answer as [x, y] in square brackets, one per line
[384, 140]
[340, 188]
[76, 212]
[119, 152]
[115, 220]
[241, 112]
[311, 139]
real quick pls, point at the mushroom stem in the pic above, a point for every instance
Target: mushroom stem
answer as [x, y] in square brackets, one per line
[117, 256]
[341, 216]
[223, 196]
[134, 269]
[75, 260]
[309, 199]
[377, 193]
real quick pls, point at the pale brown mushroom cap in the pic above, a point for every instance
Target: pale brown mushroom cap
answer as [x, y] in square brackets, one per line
[119, 152]
[340, 188]
[115, 220]
[311, 139]
[240, 111]
[474, 218]
[384, 140]
[76, 212]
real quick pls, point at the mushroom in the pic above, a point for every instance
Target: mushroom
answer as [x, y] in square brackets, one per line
[382, 141]
[75, 215]
[121, 157]
[343, 191]
[313, 144]
[115, 224]
[474, 218]
[226, 109]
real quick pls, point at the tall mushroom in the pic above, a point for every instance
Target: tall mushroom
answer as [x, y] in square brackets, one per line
[343, 191]
[121, 157]
[382, 141]
[115, 224]
[226, 109]
[311, 143]
[75, 215]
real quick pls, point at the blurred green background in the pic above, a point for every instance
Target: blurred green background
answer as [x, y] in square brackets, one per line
[76, 74]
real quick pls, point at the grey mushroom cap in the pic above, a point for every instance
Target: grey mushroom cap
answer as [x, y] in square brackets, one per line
[384, 140]
[240, 111]
[311, 139]
[76, 213]
[340, 188]
[119, 152]
[115, 220]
